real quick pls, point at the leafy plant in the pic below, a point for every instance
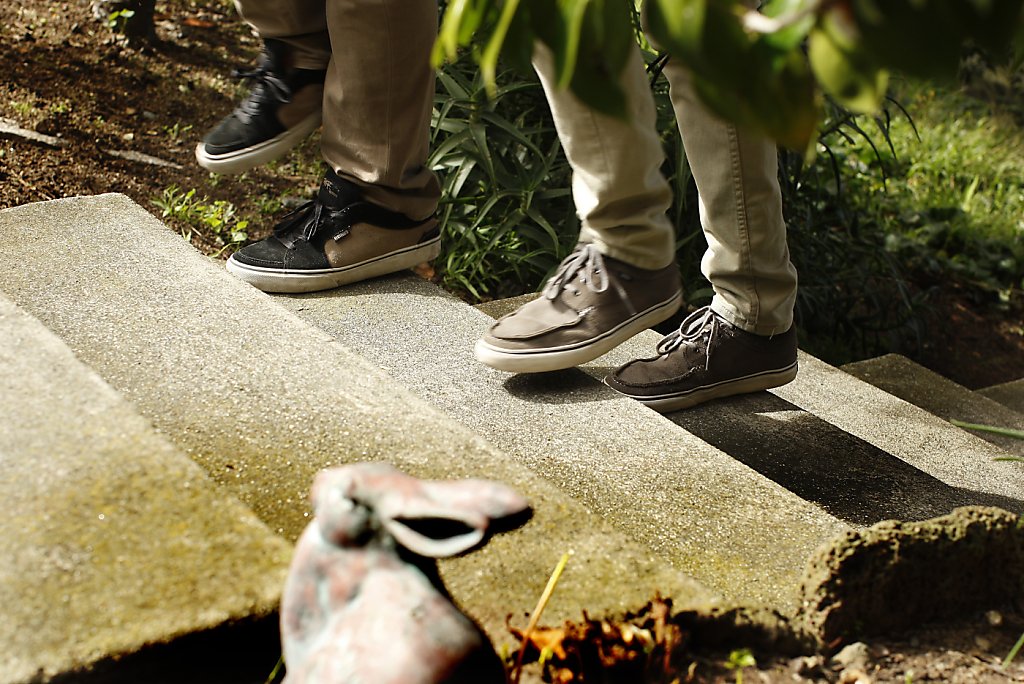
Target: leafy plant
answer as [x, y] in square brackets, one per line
[854, 299]
[506, 211]
[749, 65]
[198, 215]
[739, 659]
[177, 132]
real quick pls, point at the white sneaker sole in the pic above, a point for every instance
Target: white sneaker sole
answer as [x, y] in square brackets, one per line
[559, 358]
[248, 158]
[758, 382]
[284, 281]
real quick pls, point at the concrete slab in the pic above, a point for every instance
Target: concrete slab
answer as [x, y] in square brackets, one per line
[910, 433]
[861, 453]
[941, 397]
[1009, 394]
[262, 401]
[732, 529]
[113, 539]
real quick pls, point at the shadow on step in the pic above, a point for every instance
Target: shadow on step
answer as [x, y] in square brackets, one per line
[556, 387]
[242, 653]
[850, 478]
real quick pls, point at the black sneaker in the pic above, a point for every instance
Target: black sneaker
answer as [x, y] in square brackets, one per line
[707, 358]
[283, 107]
[336, 239]
[592, 304]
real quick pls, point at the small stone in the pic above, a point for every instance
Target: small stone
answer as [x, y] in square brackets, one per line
[994, 618]
[853, 655]
[807, 666]
[128, 136]
[982, 643]
[854, 676]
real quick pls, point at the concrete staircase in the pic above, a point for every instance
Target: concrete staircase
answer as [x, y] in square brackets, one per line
[145, 385]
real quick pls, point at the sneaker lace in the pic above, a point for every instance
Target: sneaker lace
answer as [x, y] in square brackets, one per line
[589, 263]
[690, 330]
[314, 217]
[308, 220]
[267, 87]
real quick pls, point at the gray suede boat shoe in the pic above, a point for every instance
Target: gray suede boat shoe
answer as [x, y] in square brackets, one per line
[707, 358]
[591, 305]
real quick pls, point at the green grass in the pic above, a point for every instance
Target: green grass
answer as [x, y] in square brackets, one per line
[216, 221]
[949, 192]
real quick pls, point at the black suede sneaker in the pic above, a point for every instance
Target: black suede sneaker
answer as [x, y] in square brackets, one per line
[707, 358]
[592, 304]
[336, 239]
[282, 109]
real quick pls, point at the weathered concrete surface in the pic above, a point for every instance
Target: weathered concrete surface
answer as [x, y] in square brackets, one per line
[905, 431]
[705, 512]
[894, 575]
[501, 307]
[113, 539]
[1009, 394]
[263, 401]
[944, 398]
[861, 453]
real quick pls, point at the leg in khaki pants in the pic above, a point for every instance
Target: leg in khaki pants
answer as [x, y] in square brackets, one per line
[379, 89]
[744, 341]
[622, 198]
[374, 212]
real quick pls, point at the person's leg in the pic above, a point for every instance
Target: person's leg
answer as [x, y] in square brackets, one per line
[379, 98]
[736, 172]
[622, 278]
[374, 212]
[301, 24]
[743, 342]
[284, 105]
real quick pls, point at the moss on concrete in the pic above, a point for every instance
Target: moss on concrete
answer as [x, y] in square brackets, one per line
[896, 575]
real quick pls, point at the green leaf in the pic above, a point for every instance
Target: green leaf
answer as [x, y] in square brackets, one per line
[854, 80]
[574, 12]
[489, 58]
[793, 35]
[679, 25]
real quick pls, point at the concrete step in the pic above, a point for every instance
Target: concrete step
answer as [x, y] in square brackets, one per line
[1009, 394]
[113, 539]
[862, 453]
[752, 474]
[944, 398]
[700, 509]
[897, 460]
[262, 400]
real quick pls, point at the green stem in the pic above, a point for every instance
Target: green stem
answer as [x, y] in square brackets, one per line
[275, 671]
[1013, 652]
[1006, 432]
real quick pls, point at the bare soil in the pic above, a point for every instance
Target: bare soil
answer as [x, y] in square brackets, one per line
[65, 75]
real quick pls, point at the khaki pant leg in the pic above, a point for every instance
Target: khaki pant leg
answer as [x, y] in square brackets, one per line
[621, 196]
[300, 23]
[747, 260]
[378, 100]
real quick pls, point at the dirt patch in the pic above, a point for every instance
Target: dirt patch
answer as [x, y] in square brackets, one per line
[656, 646]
